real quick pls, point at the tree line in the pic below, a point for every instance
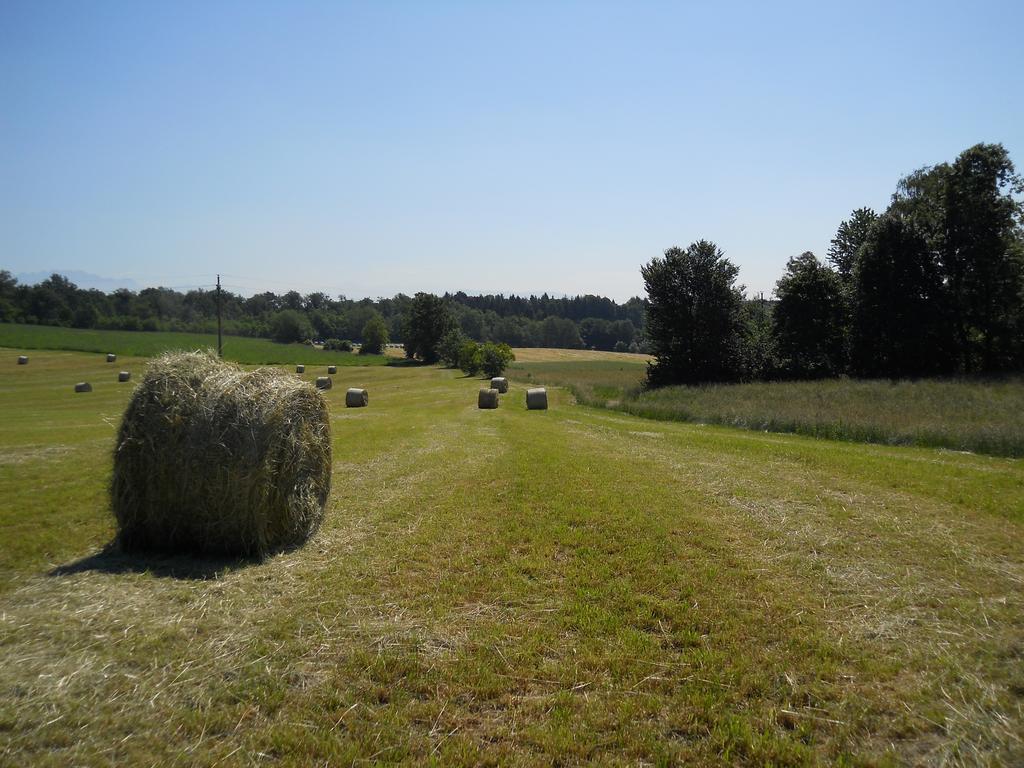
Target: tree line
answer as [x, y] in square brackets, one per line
[934, 285]
[535, 321]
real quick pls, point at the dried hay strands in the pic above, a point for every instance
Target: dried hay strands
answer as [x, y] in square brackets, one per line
[488, 398]
[324, 382]
[500, 383]
[537, 399]
[214, 459]
[83, 386]
[124, 376]
[356, 398]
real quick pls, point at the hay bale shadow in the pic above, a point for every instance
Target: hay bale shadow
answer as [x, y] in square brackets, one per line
[113, 560]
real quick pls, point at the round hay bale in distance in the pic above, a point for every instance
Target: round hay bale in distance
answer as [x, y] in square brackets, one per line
[22, 359]
[214, 459]
[332, 369]
[300, 369]
[83, 386]
[537, 399]
[124, 376]
[488, 398]
[500, 383]
[324, 382]
[111, 357]
[356, 398]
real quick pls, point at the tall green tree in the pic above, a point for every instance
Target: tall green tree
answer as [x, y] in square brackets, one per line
[981, 262]
[375, 336]
[850, 236]
[8, 294]
[426, 323]
[560, 333]
[694, 320]
[900, 326]
[758, 353]
[450, 347]
[809, 319]
[971, 220]
[290, 325]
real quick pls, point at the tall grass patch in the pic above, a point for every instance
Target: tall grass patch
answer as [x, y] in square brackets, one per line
[979, 416]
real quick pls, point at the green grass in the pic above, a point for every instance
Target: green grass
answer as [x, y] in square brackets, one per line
[964, 415]
[516, 587]
[241, 349]
[981, 416]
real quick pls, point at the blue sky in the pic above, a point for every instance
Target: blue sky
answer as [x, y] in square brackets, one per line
[373, 148]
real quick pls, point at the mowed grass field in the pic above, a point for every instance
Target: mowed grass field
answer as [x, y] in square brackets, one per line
[515, 587]
[241, 349]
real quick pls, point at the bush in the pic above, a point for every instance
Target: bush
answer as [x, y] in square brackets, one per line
[471, 359]
[494, 358]
[338, 345]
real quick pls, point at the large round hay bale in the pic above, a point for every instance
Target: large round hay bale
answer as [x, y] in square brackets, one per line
[356, 398]
[332, 369]
[300, 369]
[111, 357]
[22, 359]
[324, 382]
[500, 383]
[488, 398]
[537, 399]
[214, 459]
[83, 386]
[124, 376]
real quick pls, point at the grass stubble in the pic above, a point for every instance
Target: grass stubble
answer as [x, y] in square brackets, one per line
[513, 587]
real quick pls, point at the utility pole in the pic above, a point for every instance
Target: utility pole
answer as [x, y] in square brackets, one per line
[220, 341]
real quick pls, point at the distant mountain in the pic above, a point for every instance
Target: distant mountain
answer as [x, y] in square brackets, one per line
[85, 280]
